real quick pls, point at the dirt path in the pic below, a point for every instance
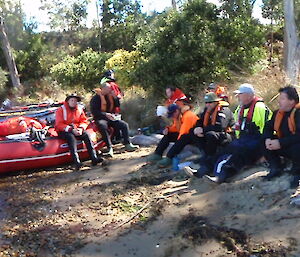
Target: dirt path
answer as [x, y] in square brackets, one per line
[129, 208]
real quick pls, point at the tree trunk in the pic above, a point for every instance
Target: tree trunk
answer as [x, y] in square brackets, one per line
[272, 39]
[8, 55]
[291, 44]
[174, 6]
[99, 25]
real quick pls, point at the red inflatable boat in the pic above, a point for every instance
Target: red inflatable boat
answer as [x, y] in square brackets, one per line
[21, 152]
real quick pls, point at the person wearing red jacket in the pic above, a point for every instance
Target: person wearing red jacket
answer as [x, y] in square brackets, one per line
[71, 124]
[109, 77]
[174, 94]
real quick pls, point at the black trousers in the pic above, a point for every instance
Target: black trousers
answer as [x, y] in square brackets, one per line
[244, 151]
[72, 142]
[209, 143]
[292, 153]
[165, 141]
[117, 125]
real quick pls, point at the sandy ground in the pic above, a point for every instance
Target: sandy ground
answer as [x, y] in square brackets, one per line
[129, 208]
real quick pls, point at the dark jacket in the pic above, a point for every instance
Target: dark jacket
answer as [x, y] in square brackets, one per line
[224, 121]
[287, 138]
[95, 106]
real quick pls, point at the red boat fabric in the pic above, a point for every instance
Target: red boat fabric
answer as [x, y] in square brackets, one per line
[23, 155]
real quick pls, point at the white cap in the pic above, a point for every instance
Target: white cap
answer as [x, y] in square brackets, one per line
[245, 89]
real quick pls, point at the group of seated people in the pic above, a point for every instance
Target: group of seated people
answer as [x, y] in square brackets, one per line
[71, 121]
[229, 141]
[232, 141]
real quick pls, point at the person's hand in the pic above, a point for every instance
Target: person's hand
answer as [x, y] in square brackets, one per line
[273, 145]
[109, 116]
[77, 131]
[198, 131]
[268, 143]
[165, 131]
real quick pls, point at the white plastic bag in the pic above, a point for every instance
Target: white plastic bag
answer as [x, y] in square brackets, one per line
[161, 111]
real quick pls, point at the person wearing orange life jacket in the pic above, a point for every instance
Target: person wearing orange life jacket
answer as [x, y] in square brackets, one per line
[174, 95]
[282, 135]
[212, 131]
[250, 117]
[183, 120]
[102, 107]
[219, 90]
[109, 77]
[71, 124]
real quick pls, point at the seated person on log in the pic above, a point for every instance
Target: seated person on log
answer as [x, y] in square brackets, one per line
[212, 131]
[250, 117]
[183, 120]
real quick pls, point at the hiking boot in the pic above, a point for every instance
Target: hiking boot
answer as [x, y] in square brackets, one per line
[189, 171]
[165, 162]
[116, 141]
[153, 158]
[78, 166]
[131, 148]
[96, 161]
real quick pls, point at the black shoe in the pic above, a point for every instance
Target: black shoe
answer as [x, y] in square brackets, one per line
[295, 182]
[272, 174]
[78, 166]
[96, 161]
[116, 141]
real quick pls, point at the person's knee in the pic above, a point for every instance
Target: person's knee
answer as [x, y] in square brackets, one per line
[102, 124]
[211, 135]
[85, 135]
[123, 125]
[70, 136]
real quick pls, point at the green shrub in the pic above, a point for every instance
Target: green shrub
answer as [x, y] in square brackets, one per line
[124, 63]
[86, 69]
[198, 44]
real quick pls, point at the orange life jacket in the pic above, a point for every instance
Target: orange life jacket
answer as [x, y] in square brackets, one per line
[210, 118]
[220, 91]
[104, 105]
[291, 121]
[184, 123]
